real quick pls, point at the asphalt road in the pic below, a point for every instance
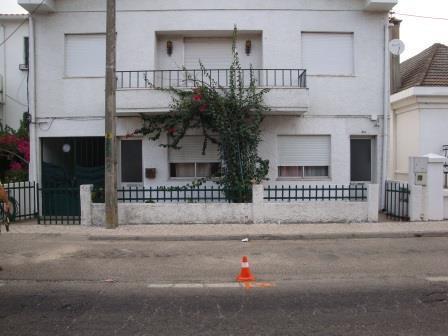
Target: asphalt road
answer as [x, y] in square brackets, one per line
[68, 285]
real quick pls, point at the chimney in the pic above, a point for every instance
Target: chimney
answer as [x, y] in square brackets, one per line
[395, 75]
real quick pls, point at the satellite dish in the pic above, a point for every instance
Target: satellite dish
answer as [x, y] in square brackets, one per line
[396, 47]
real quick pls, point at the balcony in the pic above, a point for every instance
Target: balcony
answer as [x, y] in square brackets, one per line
[140, 91]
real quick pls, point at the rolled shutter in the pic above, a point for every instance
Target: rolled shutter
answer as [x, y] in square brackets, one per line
[191, 151]
[85, 55]
[214, 53]
[328, 53]
[304, 150]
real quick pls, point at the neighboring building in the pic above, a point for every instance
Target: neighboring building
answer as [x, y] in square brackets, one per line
[13, 69]
[325, 62]
[420, 109]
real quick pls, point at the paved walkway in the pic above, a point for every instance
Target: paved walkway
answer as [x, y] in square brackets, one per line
[240, 231]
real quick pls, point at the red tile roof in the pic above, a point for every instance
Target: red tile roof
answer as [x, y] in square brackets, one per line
[429, 68]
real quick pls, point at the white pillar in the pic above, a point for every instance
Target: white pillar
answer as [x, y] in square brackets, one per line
[433, 192]
[426, 200]
[257, 203]
[372, 202]
[85, 193]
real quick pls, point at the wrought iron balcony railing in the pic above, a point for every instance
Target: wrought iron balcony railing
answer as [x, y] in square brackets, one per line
[292, 78]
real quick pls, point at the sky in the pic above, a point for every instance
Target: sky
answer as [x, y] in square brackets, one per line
[416, 33]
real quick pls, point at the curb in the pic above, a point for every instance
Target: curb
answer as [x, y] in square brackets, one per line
[261, 237]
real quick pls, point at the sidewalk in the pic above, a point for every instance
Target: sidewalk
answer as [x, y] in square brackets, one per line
[241, 231]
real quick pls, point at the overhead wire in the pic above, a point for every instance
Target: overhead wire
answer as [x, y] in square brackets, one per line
[21, 23]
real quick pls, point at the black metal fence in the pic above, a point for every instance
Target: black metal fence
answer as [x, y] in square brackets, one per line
[221, 77]
[396, 200]
[25, 195]
[316, 193]
[184, 194]
[59, 205]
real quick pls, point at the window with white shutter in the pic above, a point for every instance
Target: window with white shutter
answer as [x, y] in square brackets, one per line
[214, 53]
[328, 53]
[303, 156]
[189, 162]
[85, 55]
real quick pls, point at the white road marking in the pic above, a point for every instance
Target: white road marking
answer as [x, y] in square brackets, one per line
[160, 285]
[212, 285]
[2, 284]
[438, 279]
[189, 285]
[224, 285]
[195, 285]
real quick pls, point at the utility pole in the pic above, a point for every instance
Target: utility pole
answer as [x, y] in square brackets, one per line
[110, 131]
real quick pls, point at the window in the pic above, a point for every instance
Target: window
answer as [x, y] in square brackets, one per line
[328, 53]
[131, 161]
[188, 161]
[85, 55]
[303, 156]
[26, 51]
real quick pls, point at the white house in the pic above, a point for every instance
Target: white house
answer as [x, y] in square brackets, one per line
[324, 61]
[420, 109]
[14, 58]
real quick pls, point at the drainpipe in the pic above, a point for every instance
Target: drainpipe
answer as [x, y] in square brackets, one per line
[34, 144]
[2, 26]
[386, 107]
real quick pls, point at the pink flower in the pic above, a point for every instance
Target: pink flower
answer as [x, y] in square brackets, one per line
[197, 98]
[203, 108]
[15, 166]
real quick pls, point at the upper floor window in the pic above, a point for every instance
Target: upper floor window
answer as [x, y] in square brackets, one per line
[303, 156]
[328, 53]
[85, 55]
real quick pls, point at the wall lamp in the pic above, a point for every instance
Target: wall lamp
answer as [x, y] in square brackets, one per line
[248, 47]
[169, 47]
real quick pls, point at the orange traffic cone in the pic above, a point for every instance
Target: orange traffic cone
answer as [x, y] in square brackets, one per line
[245, 274]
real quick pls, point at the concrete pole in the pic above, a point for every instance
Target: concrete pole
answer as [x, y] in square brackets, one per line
[110, 131]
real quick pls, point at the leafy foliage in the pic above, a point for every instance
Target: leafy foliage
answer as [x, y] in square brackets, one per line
[227, 116]
[14, 153]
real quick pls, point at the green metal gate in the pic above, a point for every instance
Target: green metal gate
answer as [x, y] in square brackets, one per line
[67, 163]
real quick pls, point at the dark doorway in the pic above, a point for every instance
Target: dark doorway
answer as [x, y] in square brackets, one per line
[361, 160]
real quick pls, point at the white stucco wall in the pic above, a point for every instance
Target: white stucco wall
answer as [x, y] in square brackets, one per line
[420, 117]
[340, 106]
[14, 80]
[215, 213]
[445, 203]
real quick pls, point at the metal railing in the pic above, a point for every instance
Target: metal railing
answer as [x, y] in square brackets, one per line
[396, 200]
[316, 193]
[59, 205]
[220, 77]
[25, 195]
[183, 194]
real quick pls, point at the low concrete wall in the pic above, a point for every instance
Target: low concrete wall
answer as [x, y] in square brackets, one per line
[176, 213]
[218, 213]
[445, 204]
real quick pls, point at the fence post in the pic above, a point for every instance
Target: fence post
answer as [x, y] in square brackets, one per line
[85, 193]
[257, 203]
[372, 202]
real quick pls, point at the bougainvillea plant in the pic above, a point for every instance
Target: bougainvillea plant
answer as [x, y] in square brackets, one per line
[227, 116]
[14, 154]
